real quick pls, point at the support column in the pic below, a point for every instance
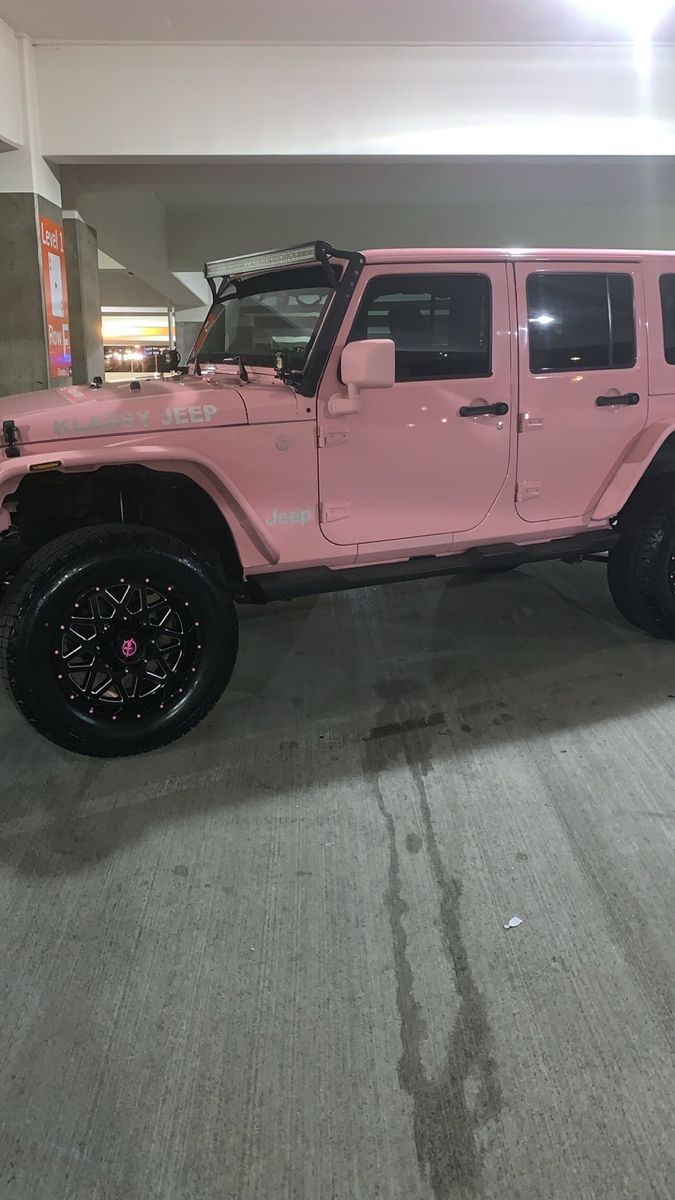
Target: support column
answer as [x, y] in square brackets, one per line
[84, 298]
[188, 324]
[35, 338]
[24, 362]
[186, 336]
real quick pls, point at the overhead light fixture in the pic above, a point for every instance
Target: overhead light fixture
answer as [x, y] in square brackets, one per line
[640, 19]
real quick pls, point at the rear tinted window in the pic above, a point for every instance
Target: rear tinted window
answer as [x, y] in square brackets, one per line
[668, 311]
[580, 321]
[440, 324]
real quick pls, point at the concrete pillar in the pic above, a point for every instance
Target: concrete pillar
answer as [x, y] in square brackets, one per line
[23, 349]
[186, 335]
[171, 324]
[35, 335]
[84, 298]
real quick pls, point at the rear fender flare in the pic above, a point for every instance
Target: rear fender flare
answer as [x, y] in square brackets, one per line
[633, 467]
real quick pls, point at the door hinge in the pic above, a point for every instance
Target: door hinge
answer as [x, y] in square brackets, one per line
[527, 491]
[331, 437]
[334, 512]
[527, 421]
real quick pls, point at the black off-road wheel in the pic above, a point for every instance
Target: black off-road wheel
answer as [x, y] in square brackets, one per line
[641, 569]
[117, 639]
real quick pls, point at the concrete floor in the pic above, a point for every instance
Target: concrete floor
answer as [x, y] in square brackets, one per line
[270, 962]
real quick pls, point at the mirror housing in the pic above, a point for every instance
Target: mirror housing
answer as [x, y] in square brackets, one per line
[368, 364]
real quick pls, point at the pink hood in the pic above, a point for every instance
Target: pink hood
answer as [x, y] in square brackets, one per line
[84, 412]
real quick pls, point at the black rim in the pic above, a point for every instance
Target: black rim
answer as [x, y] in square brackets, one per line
[127, 650]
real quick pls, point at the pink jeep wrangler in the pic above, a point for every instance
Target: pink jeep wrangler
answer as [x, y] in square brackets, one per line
[345, 419]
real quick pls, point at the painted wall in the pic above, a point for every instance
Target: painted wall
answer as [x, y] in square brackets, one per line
[122, 288]
[212, 210]
[194, 239]
[11, 115]
[23, 169]
[131, 228]
[370, 100]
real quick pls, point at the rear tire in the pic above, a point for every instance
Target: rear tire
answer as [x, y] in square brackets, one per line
[116, 639]
[641, 571]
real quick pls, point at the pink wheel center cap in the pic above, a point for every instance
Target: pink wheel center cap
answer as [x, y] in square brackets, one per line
[129, 647]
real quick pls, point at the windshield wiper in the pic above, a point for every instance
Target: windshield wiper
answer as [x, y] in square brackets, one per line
[236, 358]
[227, 358]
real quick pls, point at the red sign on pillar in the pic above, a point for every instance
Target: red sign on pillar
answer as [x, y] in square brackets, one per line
[56, 297]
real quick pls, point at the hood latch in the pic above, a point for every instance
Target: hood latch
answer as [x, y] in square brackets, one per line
[10, 438]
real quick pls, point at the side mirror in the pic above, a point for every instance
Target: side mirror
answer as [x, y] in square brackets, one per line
[364, 365]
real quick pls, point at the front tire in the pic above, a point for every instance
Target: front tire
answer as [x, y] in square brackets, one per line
[641, 570]
[116, 639]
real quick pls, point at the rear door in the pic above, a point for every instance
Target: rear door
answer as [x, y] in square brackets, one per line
[583, 381]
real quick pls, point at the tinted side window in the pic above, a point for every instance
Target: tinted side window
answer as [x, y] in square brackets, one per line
[439, 323]
[667, 283]
[580, 321]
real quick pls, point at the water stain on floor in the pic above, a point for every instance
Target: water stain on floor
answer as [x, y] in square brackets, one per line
[450, 1108]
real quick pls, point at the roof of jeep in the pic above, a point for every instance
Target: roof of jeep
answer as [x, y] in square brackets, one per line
[483, 254]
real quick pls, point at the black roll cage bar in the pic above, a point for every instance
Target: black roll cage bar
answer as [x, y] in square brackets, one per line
[221, 273]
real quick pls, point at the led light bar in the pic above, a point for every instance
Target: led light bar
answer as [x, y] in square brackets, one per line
[246, 264]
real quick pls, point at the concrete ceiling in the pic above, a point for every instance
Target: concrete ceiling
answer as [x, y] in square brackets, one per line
[381, 21]
[210, 209]
[106, 263]
[189, 189]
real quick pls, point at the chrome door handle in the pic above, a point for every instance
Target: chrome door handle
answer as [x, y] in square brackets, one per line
[484, 410]
[627, 398]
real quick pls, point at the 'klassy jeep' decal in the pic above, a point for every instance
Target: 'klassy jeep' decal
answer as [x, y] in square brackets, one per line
[193, 414]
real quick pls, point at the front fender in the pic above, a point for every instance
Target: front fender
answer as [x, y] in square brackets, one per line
[242, 518]
[640, 454]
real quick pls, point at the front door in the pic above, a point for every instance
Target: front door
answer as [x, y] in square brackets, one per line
[415, 461]
[583, 381]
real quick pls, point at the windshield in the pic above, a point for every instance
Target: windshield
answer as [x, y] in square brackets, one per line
[260, 317]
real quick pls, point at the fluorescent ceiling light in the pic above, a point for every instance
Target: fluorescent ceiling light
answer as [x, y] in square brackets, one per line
[639, 17]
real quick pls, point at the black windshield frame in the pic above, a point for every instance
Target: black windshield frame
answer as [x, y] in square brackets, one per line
[346, 273]
[273, 282]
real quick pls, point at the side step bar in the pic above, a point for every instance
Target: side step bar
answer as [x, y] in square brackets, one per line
[284, 585]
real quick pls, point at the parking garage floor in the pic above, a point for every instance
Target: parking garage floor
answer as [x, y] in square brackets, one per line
[270, 961]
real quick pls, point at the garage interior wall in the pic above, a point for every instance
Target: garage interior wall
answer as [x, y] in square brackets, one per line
[215, 209]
